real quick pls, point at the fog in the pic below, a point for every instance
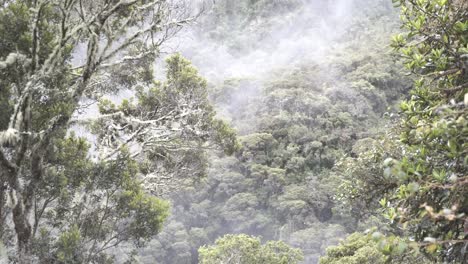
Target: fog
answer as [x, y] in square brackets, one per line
[308, 32]
[230, 131]
[246, 54]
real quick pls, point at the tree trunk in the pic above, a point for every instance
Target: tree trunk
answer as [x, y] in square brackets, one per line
[3, 189]
[23, 233]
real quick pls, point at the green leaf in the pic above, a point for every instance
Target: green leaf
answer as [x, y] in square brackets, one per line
[452, 146]
[383, 202]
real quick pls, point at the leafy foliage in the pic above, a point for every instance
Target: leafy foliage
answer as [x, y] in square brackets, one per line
[421, 177]
[295, 123]
[71, 199]
[364, 248]
[432, 191]
[246, 249]
[317, 157]
[168, 125]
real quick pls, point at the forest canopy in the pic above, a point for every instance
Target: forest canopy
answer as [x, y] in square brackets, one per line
[250, 131]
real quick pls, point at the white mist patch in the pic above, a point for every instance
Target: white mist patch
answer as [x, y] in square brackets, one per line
[306, 33]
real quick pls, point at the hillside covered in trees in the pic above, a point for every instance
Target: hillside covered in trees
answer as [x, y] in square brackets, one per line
[238, 132]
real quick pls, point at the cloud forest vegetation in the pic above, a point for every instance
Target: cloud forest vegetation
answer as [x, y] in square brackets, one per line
[236, 132]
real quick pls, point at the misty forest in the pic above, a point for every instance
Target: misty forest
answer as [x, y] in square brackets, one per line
[234, 131]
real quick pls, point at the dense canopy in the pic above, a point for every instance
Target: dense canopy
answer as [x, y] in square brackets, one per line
[250, 131]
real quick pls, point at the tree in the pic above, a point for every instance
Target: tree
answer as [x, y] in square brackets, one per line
[236, 249]
[169, 126]
[360, 181]
[431, 199]
[61, 200]
[295, 122]
[420, 179]
[364, 248]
